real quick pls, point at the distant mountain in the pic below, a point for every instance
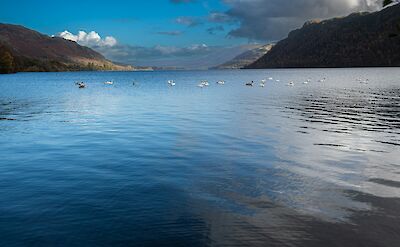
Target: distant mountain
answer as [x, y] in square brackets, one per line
[194, 57]
[358, 40]
[22, 49]
[246, 58]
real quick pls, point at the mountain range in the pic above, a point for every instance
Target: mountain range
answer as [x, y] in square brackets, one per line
[359, 40]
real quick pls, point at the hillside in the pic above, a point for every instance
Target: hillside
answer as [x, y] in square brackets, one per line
[246, 58]
[358, 40]
[22, 49]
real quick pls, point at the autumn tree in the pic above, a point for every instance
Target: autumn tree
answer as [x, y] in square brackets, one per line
[6, 62]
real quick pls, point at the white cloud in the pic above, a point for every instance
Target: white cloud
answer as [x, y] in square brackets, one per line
[188, 21]
[91, 39]
[196, 47]
[110, 41]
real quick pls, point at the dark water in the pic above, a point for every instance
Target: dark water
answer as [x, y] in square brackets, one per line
[314, 164]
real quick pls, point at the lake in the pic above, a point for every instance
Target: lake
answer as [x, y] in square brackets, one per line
[149, 164]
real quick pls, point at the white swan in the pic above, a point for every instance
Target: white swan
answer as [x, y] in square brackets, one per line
[81, 84]
[171, 82]
[109, 82]
[221, 82]
[205, 83]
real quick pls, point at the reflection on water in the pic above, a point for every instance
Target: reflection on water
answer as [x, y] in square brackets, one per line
[310, 165]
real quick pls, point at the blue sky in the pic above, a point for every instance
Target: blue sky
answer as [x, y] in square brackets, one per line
[130, 22]
[173, 32]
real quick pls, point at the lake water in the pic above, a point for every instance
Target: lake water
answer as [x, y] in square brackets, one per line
[314, 164]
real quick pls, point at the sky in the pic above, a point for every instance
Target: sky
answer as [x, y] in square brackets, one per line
[173, 32]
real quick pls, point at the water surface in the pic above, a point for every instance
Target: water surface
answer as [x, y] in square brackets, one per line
[312, 164]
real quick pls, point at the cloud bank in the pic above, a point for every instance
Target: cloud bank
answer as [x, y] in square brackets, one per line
[91, 39]
[196, 56]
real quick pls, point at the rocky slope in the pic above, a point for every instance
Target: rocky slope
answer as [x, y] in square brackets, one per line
[358, 40]
[246, 58]
[22, 49]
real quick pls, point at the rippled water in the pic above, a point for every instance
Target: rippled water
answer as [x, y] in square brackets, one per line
[312, 164]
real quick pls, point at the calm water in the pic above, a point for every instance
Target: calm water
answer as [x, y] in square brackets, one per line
[314, 164]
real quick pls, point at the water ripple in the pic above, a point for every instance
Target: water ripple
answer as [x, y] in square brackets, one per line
[310, 165]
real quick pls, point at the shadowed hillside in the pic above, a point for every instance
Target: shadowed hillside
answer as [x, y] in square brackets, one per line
[22, 49]
[358, 40]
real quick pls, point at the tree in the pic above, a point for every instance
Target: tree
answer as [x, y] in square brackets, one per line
[387, 2]
[6, 62]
